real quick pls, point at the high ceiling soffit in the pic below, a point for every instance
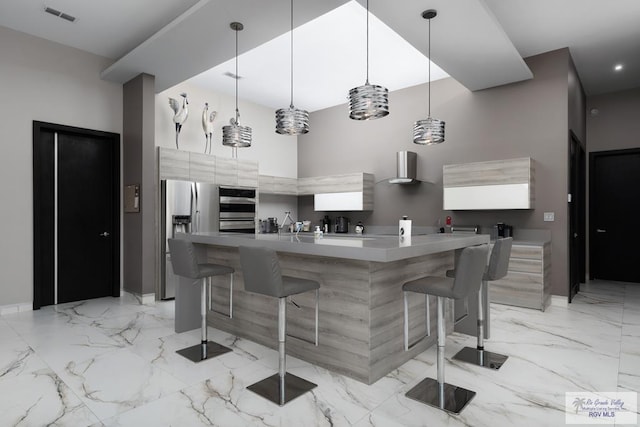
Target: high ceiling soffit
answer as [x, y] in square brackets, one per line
[200, 39]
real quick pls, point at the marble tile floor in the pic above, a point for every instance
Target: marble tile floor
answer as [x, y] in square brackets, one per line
[112, 362]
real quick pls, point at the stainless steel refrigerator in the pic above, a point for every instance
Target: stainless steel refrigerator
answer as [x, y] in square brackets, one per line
[187, 207]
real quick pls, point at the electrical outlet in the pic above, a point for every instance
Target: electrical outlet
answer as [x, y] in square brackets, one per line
[549, 216]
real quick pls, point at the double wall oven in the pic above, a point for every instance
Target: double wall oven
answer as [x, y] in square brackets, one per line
[237, 210]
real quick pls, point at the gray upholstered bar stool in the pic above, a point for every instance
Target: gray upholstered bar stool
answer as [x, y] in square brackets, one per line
[262, 275]
[471, 266]
[185, 264]
[497, 269]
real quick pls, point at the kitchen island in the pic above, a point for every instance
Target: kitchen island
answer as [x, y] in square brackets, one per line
[361, 304]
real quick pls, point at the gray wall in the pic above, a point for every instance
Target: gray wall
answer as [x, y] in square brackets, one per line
[138, 166]
[526, 119]
[40, 80]
[617, 125]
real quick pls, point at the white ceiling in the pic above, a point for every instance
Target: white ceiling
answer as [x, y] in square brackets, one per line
[478, 42]
[322, 62]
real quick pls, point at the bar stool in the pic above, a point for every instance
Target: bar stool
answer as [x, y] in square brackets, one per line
[262, 275]
[185, 264]
[497, 269]
[471, 266]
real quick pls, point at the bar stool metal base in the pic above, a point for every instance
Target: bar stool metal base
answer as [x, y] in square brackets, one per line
[200, 352]
[482, 358]
[455, 398]
[269, 388]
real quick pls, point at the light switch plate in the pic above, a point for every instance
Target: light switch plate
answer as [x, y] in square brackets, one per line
[549, 216]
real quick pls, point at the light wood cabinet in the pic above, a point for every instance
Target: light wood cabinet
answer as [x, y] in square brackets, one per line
[527, 281]
[278, 185]
[173, 164]
[202, 168]
[226, 171]
[335, 183]
[247, 173]
[500, 184]
[351, 192]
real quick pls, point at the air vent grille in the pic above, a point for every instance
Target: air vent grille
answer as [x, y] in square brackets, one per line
[232, 75]
[59, 14]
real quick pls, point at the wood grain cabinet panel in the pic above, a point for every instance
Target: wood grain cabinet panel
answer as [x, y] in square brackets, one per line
[527, 281]
[226, 171]
[173, 164]
[278, 185]
[202, 167]
[499, 184]
[247, 171]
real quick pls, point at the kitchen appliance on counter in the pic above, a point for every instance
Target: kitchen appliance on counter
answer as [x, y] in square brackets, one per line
[326, 224]
[503, 230]
[342, 224]
[237, 207]
[270, 225]
[186, 207]
[465, 229]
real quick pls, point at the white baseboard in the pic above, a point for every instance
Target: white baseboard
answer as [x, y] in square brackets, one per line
[559, 301]
[146, 299]
[15, 308]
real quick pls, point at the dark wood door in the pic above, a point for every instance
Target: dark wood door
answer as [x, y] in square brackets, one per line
[76, 214]
[614, 213]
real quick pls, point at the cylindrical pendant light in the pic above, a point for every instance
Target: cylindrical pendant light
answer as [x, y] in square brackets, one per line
[292, 120]
[369, 101]
[234, 135]
[429, 131]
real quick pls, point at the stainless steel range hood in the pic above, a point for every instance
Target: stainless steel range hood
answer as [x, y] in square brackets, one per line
[406, 168]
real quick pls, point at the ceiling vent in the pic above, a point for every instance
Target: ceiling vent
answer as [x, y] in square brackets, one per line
[59, 14]
[406, 163]
[232, 75]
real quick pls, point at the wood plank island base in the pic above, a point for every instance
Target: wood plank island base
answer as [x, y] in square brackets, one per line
[361, 304]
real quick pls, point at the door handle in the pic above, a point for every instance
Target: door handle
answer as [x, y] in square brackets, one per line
[105, 234]
[600, 230]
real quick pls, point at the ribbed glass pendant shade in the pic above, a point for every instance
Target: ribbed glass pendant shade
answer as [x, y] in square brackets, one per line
[292, 121]
[234, 135]
[368, 102]
[428, 132]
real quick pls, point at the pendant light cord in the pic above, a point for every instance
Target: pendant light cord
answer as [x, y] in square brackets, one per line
[367, 42]
[237, 78]
[291, 105]
[429, 51]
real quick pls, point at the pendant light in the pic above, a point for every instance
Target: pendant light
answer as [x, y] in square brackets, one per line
[234, 135]
[429, 131]
[368, 102]
[292, 121]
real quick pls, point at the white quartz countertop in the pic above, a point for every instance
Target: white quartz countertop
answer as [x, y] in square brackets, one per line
[366, 248]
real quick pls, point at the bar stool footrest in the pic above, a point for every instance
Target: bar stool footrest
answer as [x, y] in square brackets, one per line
[484, 358]
[269, 388]
[200, 352]
[427, 392]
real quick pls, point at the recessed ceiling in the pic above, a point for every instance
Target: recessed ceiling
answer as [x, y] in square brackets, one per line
[598, 33]
[326, 63]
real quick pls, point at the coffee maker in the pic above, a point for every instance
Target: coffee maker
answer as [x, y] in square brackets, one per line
[504, 230]
[342, 224]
